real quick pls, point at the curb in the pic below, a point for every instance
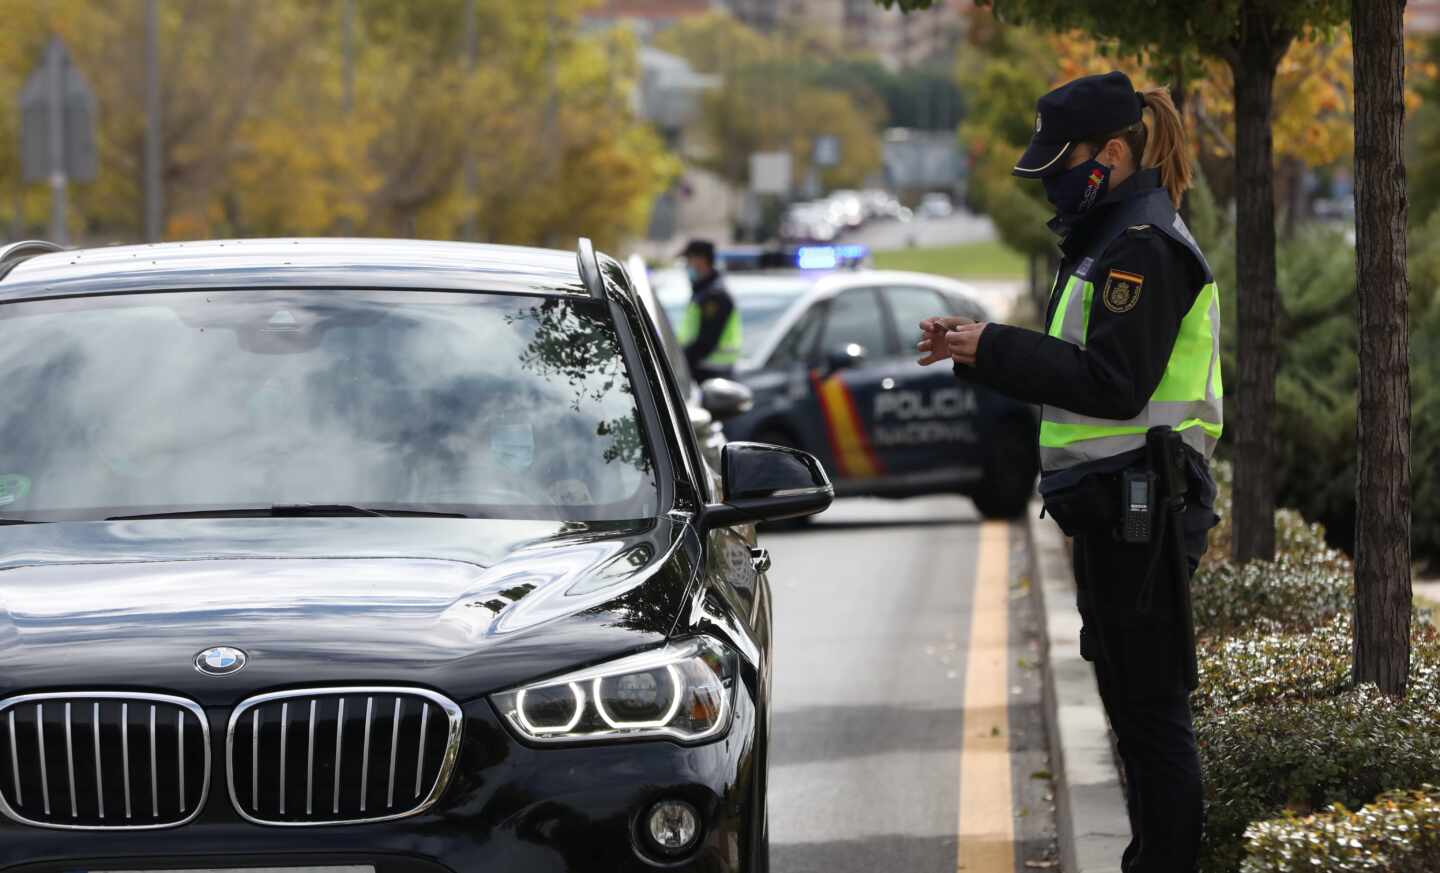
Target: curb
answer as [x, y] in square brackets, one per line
[1090, 817]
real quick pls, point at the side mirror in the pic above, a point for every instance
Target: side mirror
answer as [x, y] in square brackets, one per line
[844, 357]
[768, 483]
[725, 399]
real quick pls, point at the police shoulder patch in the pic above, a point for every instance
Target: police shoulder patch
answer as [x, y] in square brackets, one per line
[1122, 291]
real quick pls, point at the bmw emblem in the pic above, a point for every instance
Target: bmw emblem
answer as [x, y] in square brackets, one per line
[220, 661]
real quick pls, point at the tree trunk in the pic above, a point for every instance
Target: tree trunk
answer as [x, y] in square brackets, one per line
[1382, 519]
[1253, 64]
[1177, 96]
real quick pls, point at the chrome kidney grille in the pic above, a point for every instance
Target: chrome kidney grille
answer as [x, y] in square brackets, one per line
[103, 760]
[341, 755]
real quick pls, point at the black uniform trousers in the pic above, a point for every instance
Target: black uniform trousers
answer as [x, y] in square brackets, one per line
[1138, 666]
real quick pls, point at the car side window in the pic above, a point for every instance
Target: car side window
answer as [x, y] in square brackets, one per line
[909, 306]
[799, 341]
[855, 317]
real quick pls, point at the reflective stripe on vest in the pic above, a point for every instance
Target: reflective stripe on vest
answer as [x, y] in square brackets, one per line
[727, 351]
[1188, 398]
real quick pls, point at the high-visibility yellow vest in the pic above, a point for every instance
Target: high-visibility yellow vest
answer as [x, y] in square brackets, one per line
[1190, 395]
[727, 351]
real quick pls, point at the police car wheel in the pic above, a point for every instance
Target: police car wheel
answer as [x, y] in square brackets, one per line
[1009, 477]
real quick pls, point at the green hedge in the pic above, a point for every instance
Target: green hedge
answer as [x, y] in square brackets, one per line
[1282, 729]
[1285, 595]
[1309, 584]
[1399, 833]
[1282, 732]
[1272, 667]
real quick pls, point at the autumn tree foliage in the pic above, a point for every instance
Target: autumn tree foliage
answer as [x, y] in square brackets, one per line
[769, 99]
[259, 140]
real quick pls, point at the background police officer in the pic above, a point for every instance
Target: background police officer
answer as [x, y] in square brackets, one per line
[1132, 341]
[710, 330]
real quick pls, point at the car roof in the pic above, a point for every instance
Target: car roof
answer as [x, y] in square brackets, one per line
[814, 285]
[828, 283]
[295, 263]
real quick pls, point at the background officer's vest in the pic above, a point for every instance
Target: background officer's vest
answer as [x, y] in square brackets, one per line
[1188, 398]
[727, 350]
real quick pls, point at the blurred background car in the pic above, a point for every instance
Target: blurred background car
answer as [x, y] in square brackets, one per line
[829, 356]
[809, 221]
[936, 204]
[848, 207]
[881, 204]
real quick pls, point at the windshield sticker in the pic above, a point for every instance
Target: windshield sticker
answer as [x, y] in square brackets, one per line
[513, 445]
[13, 488]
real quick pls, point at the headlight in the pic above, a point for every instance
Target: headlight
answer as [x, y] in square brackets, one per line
[682, 691]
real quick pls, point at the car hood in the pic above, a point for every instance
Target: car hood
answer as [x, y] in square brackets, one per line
[465, 606]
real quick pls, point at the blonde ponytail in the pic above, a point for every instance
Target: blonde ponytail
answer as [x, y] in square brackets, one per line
[1165, 143]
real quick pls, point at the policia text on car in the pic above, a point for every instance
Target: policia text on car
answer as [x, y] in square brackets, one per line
[1128, 374]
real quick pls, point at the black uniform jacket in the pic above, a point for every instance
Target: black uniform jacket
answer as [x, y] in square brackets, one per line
[1126, 352]
[716, 304]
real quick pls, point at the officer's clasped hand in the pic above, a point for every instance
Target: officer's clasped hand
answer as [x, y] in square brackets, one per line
[954, 337]
[932, 337]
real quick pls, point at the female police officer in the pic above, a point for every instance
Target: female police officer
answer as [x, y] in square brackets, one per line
[1132, 342]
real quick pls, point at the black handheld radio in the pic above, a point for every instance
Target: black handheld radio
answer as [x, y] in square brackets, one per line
[1137, 506]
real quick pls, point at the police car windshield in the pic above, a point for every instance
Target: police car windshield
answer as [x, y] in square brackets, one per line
[483, 405]
[761, 298]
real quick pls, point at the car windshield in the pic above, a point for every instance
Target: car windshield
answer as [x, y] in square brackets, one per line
[476, 404]
[761, 297]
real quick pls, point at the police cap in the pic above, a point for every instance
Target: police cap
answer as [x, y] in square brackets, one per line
[702, 248]
[1076, 112]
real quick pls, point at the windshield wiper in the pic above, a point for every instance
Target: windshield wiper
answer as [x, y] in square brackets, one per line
[292, 510]
[5, 521]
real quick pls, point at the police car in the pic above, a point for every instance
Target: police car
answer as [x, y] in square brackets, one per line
[829, 355]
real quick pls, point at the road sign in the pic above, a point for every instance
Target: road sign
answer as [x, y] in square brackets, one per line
[770, 172]
[75, 130]
[827, 151]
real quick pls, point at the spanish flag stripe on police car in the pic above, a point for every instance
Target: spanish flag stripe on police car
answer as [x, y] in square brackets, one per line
[853, 453]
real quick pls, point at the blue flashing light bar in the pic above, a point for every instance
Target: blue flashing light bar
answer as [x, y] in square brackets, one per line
[747, 259]
[817, 258]
[829, 257]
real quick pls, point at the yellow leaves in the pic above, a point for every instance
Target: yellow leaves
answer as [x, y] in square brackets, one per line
[767, 101]
[1421, 73]
[258, 140]
[717, 42]
[1314, 101]
[1078, 54]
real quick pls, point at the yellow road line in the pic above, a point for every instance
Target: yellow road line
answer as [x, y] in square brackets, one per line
[987, 822]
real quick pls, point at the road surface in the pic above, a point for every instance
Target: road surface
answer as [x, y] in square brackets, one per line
[955, 229]
[908, 733]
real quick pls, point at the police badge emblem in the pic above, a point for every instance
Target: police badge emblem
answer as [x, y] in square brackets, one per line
[1122, 291]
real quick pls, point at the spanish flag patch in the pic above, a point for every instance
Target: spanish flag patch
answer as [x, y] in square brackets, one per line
[1122, 291]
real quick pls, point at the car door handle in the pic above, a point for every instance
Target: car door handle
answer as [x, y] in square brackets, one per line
[760, 560]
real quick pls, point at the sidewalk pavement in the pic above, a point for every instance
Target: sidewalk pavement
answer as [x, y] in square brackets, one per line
[1090, 812]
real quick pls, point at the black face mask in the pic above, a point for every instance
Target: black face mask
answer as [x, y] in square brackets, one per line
[1074, 191]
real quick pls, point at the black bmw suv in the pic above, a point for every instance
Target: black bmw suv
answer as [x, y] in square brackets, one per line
[370, 556]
